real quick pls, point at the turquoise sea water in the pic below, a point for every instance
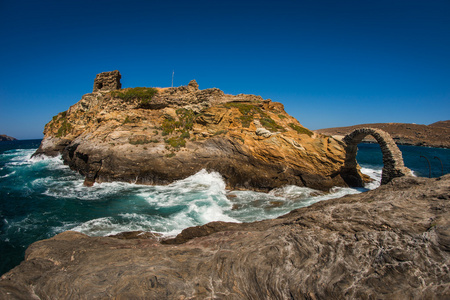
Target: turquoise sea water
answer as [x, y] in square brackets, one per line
[42, 197]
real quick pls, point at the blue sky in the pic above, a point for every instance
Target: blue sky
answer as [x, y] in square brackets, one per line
[331, 63]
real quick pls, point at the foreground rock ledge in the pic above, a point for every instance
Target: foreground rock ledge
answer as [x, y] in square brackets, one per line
[389, 243]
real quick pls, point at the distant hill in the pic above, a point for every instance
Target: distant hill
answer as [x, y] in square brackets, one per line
[433, 135]
[4, 137]
[445, 124]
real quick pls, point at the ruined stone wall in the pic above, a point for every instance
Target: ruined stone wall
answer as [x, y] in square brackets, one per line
[107, 81]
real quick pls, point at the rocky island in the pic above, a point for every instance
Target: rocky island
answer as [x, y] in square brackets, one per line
[159, 135]
[4, 137]
[388, 243]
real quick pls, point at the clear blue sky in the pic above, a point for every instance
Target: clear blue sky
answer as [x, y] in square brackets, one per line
[331, 63]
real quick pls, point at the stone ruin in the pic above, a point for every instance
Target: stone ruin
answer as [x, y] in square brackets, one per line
[107, 81]
[393, 165]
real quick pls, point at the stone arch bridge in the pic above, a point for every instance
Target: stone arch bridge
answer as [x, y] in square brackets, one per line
[392, 156]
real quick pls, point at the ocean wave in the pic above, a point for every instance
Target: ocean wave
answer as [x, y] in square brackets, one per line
[7, 175]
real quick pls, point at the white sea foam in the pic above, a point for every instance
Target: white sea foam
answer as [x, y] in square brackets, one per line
[375, 174]
[9, 174]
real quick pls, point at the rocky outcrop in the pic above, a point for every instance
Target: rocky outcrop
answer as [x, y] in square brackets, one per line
[389, 243]
[433, 135]
[4, 137]
[158, 135]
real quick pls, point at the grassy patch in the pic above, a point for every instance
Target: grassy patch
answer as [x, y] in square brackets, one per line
[282, 116]
[64, 129]
[185, 135]
[271, 125]
[300, 130]
[249, 111]
[143, 94]
[168, 126]
[186, 118]
[141, 141]
[176, 142]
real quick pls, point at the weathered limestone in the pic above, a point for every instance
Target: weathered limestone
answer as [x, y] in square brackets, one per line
[392, 156]
[107, 81]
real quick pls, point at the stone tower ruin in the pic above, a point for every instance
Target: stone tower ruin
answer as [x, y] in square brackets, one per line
[107, 81]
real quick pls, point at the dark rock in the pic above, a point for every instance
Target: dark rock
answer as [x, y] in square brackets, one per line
[4, 137]
[389, 243]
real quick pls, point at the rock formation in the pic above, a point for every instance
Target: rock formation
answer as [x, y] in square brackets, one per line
[158, 135]
[4, 137]
[389, 243]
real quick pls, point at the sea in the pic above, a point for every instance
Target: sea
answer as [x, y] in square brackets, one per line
[41, 197]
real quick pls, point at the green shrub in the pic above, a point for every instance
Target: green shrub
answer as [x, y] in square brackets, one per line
[301, 130]
[176, 142]
[185, 135]
[64, 129]
[246, 120]
[271, 125]
[282, 116]
[143, 94]
[186, 118]
[168, 126]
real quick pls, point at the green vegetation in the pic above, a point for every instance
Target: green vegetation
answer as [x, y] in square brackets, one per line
[64, 129]
[171, 154]
[282, 116]
[141, 141]
[271, 125]
[185, 135]
[300, 130]
[143, 94]
[249, 111]
[168, 126]
[186, 119]
[176, 142]
[183, 124]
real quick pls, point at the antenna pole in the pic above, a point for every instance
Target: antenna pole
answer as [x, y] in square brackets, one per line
[173, 73]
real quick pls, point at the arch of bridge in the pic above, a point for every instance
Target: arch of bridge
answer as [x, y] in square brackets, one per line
[393, 165]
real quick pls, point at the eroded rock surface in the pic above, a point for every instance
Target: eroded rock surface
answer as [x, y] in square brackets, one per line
[157, 136]
[389, 243]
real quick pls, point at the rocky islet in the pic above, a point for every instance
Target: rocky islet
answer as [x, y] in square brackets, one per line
[159, 135]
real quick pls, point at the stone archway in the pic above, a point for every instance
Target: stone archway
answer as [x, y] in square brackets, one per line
[392, 156]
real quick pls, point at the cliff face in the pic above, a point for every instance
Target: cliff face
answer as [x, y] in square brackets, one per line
[156, 136]
[389, 243]
[433, 135]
